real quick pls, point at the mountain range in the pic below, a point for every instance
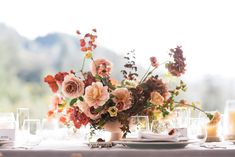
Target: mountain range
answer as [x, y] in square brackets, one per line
[25, 62]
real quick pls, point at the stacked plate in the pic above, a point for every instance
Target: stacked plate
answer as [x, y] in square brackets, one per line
[2, 142]
[151, 144]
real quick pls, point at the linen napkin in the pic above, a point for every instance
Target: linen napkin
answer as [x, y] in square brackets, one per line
[158, 137]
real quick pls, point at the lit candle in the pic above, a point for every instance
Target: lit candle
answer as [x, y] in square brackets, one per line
[231, 123]
[212, 130]
[213, 133]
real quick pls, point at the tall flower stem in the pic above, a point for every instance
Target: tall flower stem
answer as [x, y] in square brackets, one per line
[145, 74]
[83, 64]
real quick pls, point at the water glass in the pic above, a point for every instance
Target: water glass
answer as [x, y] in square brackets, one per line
[162, 126]
[182, 117]
[137, 124]
[21, 115]
[197, 130]
[32, 131]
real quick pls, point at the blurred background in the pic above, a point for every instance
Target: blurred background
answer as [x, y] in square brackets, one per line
[38, 37]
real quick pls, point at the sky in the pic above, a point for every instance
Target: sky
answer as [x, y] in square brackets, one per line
[204, 28]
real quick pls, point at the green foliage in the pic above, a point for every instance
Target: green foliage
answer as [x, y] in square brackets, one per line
[73, 101]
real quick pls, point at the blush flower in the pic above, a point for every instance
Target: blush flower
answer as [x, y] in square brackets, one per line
[83, 106]
[72, 87]
[122, 97]
[156, 98]
[102, 67]
[96, 94]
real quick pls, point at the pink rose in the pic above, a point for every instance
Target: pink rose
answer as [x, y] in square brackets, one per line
[96, 94]
[83, 106]
[122, 97]
[72, 87]
[101, 67]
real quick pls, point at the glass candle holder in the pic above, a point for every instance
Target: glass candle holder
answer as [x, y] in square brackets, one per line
[229, 120]
[214, 130]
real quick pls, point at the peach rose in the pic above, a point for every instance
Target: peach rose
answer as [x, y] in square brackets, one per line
[156, 98]
[96, 94]
[83, 106]
[122, 97]
[101, 67]
[72, 87]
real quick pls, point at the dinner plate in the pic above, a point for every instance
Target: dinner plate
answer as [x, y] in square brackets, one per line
[151, 140]
[2, 142]
[154, 145]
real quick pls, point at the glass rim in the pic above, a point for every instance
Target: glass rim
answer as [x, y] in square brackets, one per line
[22, 108]
[32, 120]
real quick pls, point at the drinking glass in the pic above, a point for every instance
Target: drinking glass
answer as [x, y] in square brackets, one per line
[21, 115]
[182, 117]
[162, 126]
[197, 130]
[229, 120]
[32, 131]
[137, 124]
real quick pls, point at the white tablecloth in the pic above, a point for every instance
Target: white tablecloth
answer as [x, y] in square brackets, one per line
[68, 148]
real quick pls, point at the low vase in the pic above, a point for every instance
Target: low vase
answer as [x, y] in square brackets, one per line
[115, 130]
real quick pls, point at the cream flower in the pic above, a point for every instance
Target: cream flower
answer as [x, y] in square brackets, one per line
[113, 111]
[83, 106]
[102, 67]
[122, 97]
[130, 83]
[156, 98]
[72, 86]
[96, 94]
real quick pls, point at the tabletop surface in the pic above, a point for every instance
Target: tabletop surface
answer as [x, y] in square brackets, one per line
[79, 149]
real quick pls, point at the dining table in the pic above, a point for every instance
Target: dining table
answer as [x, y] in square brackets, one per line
[75, 148]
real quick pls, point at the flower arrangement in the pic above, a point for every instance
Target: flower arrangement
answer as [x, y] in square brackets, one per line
[96, 98]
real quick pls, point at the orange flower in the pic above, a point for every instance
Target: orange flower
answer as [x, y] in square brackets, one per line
[63, 119]
[50, 113]
[52, 83]
[156, 98]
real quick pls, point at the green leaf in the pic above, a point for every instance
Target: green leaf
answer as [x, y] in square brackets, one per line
[81, 98]
[210, 116]
[73, 101]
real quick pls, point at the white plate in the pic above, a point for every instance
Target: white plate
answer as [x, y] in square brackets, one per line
[147, 140]
[2, 142]
[155, 145]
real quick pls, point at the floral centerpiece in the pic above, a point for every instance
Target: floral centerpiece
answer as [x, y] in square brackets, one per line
[96, 98]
